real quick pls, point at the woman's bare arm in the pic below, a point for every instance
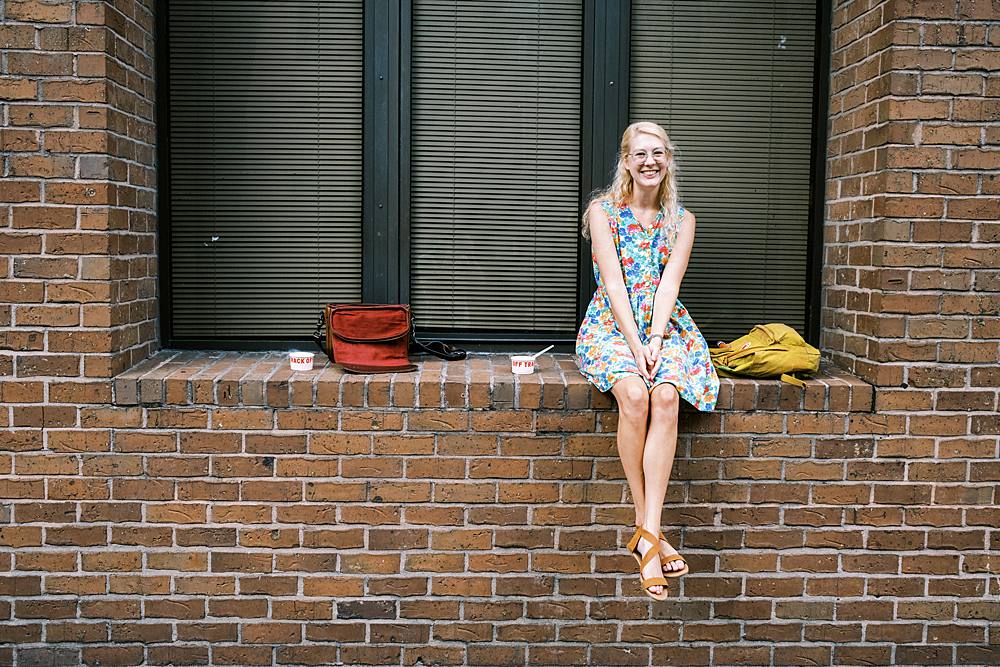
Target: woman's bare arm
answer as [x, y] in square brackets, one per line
[670, 282]
[609, 265]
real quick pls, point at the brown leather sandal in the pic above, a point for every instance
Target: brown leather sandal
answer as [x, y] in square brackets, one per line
[651, 553]
[663, 559]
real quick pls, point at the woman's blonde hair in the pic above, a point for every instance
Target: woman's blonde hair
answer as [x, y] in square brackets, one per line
[620, 190]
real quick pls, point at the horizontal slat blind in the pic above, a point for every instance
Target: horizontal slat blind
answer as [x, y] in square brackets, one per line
[732, 82]
[495, 164]
[265, 181]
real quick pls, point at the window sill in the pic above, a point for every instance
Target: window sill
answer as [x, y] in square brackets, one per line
[264, 379]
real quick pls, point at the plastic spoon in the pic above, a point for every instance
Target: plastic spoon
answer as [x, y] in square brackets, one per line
[538, 354]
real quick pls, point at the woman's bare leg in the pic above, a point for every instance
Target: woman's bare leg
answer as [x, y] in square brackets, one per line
[658, 459]
[633, 414]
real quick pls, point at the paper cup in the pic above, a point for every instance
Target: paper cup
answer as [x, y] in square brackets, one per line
[522, 364]
[301, 361]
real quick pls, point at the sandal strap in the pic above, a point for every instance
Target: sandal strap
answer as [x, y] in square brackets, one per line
[642, 533]
[649, 557]
[634, 542]
[654, 581]
[670, 559]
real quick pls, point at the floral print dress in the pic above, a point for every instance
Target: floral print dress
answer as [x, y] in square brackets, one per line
[602, 353]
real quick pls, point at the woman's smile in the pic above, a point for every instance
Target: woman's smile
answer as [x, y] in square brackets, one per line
[650, 172]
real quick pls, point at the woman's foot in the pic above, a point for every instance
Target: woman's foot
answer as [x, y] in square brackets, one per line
[667, 550]
[653, 568]
[670, 559]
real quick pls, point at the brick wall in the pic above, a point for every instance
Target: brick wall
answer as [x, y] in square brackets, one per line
[913, 200]
[224, 510]
[217, 509]
[77, 200]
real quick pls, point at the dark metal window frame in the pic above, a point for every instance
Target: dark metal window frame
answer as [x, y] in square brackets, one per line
[607, 30]
[817, 180]
[385, 200]
[386, 158]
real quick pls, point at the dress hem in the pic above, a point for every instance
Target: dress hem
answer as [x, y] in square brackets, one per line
[681, 391]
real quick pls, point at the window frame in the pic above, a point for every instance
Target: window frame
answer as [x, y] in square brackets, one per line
[385, 213]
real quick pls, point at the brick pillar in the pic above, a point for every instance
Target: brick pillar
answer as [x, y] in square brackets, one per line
[77, 199]
[912, 265]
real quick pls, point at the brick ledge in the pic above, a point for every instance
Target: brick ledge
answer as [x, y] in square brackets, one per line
[484, 381]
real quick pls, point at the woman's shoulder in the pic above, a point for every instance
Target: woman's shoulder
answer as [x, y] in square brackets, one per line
[603, 208]
[604, 204]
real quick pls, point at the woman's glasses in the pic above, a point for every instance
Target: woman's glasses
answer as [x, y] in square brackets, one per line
[658, 155]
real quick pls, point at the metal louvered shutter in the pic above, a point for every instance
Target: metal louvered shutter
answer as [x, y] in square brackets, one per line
[265, 164]
[732, 82]
[495, 164]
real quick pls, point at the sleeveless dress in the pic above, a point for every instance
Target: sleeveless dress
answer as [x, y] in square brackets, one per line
[602, 354]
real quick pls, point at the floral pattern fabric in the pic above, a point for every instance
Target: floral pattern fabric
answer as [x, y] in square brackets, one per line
[602, 354]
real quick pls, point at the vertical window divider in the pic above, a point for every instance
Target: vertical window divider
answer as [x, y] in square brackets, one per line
[821, 104]
[386, 152]
[606, 46]
[163, 241]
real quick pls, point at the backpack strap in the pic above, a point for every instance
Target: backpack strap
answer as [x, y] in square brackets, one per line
[791, 379]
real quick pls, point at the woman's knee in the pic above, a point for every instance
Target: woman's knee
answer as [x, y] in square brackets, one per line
[664, 400]
[633, 401]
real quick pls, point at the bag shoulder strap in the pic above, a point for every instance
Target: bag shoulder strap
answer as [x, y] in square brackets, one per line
[791, 379]
[439, 349]
[317, 335]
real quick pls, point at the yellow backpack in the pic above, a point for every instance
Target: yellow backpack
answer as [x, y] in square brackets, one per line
[768, 350]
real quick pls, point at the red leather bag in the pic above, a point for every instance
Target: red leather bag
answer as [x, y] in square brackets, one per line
[369, 338]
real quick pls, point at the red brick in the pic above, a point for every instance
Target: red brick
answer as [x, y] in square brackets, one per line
[909, 207]
[44, 609]
[977, 159]
[371, 421]
[17, 37]
[76, 91]
[17, 88]
[285, 491]
[275, 444]
[144, 632]
[41, 115]
[438, 420]
[502, 420]
[20, 244]
[45, 267]
[328, 563]
[38, 11]
[178, 655]
[211, 632]
[40, 64]
[376, 467]
[335, 491]
[272, 633]
[974, 208]
[977, 59]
